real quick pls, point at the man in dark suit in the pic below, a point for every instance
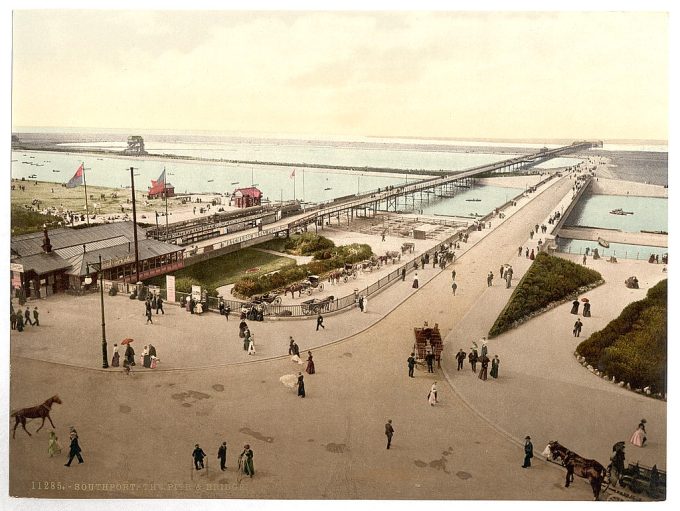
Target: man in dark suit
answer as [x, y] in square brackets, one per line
[198, 455]
[222, 455]
[389, 431]
[528, 452]
[411, 361]
[460, 357]
[74, 451]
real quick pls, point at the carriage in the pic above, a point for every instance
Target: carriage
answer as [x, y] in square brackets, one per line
[316, 306]
[426, 339]
[312, 282]
[407, 247]
[267, 298]
[641, 479]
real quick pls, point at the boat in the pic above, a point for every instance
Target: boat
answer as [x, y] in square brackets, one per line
[55, 170]
[32, 176]
[619, 211]
[100, 159]
[328, 189]
[603, 242]
[235, 183]
[473, 200]
[210, 180]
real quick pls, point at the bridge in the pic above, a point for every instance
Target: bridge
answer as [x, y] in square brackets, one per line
[382, 199]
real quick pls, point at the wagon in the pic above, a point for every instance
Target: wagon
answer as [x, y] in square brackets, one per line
[315, 306]
[428, 337]
[641, 479]
[267, 298]
[312, 282]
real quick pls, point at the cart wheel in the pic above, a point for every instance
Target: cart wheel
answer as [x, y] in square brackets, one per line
[309, 291]
[277, 300]
[320, 287]
[344, 279]
[354, 275]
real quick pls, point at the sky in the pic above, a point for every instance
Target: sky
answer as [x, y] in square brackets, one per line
[422, 74]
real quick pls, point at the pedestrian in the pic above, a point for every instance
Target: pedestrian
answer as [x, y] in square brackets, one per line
[472, 358]
[532, 256]
[618, 462]
[574, 306]
[146, 357]
[526, 253]
[27, 317]
[460, 358]
[501, 271]
[494, 366]
[222, 455]
[198, 456]
[319, 323]
[432, 395]
[429, 358]
[293, 348]
[389, 431]
[198, 309]
[227, 310]
[584, 259]
[365, 309]
[519, 252]
[454, 286]
[485, 366]
[35, 316]
[403, 274]
[639, 437]
[485, 350]
[489, 279]
[246, 461]
[586, 310]
[154, 301]
[508, 278]
[12, 317]
[301, 385]
[220, 306]
[53, 446]
[411, 361]
[251, 345]
[129, 356]
[310, 364]
[115, 361]
[528, 452]
[20, 321]
[246, 339]
[361, 303]
[531, 235]
[577, 328]
[159, 305]
[415, 281]
[453, 275]
[74, 451]
[148, 313]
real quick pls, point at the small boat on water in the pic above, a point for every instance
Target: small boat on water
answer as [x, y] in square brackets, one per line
[55, 170]
[32, 176]
[100, 159]
[474, 200]
[210, 180]
[619, 211]
[603, 242]
[328, 189]
[235, 183]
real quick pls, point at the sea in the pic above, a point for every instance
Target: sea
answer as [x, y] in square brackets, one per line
[289, 180]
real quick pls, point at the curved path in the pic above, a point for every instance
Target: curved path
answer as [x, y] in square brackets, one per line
[141, 429]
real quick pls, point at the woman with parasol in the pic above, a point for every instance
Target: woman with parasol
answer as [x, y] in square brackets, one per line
[586, 307]
[129, 352]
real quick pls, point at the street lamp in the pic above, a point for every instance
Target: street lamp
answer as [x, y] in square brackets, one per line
[88, 281]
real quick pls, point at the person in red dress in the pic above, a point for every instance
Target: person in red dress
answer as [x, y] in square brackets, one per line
[310, 363]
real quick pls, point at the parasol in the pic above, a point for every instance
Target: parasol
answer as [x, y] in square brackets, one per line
[585, 300]
[289, 380]
[127, 341]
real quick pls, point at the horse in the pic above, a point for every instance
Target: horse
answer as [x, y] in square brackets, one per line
[292, 288]
[582, 467]
[41, 411]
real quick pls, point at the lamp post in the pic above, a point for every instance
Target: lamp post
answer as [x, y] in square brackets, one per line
[88, 281]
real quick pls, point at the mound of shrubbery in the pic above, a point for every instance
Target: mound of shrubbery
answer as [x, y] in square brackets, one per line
[307, 244]
[25, 221]
[632, 348]
[325, 260]
[549, 279]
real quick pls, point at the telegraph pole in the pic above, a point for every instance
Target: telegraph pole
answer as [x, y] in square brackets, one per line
[87, 209]
[134, 221]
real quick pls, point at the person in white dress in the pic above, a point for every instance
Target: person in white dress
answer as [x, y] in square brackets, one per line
[365, 303]
[251, 346]
[432, 396]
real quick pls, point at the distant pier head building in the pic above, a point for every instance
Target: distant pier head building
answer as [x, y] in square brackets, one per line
[246, 197]
[135, 146]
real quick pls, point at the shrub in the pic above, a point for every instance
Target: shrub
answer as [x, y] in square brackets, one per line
[549, 279]
[633, 347]
[307, 243]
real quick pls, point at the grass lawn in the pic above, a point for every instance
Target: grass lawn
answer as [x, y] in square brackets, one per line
[226, 269]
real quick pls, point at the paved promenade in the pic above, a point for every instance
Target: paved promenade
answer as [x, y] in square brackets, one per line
[142, 428]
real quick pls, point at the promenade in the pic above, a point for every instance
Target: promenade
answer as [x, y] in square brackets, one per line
[467, 447]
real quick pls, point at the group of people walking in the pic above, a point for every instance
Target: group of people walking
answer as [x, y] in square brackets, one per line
[21, 319]
[245, 459]
[153, 302]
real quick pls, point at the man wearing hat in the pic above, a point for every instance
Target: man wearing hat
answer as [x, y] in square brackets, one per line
[198, 455]
[389, 431]
[222, 455]
[528, 452]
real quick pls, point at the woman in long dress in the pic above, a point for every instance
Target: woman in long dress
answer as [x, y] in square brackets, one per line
[586, 310]
[415, 281]
[199, 308]
[53, 446]
[640, 435]
[115, 361]
[494, 366]
[574, 307]
[301, 385]
[432, 395]
[146, 358]
[246, 461]
[251, 346]
[310, 363]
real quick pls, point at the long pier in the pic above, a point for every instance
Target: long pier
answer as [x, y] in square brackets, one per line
[371, 201]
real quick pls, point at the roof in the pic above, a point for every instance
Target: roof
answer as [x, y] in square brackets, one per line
[250, 192]
[120, 254]
[30, 244]
[43, 263]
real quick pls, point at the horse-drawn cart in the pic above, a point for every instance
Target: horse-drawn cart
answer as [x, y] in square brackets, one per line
[641, 479]
[315, 306]
[428, 339]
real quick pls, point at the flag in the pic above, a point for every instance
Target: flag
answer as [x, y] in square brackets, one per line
[77, 178]
[161, 178]
[293, 174]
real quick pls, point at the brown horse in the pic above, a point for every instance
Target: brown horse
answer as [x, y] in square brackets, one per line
[292, 289]
[582, 467]
[36, 412]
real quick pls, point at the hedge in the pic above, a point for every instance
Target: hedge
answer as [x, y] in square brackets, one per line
[549, 279]
[324, 261]
[633, 347]
[307, 244]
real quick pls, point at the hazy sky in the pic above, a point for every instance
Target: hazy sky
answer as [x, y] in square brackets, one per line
[497, 75]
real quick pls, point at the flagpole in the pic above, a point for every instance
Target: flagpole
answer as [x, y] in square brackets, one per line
[134, 221]
[87, 209]
[303, 183]
[165, 189]
[294, 184]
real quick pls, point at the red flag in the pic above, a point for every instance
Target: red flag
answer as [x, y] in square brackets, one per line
[293, 174]
[77, 178]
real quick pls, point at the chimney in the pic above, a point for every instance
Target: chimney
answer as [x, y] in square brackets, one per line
[46, 245]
